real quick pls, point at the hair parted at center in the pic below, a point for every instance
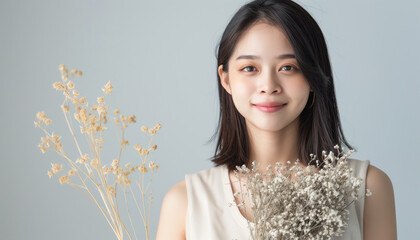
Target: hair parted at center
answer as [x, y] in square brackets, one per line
[319, 126]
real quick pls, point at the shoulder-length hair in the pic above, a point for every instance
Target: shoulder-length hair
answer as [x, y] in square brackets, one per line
[319, 123]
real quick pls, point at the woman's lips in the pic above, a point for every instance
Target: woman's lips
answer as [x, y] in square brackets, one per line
[269, 109]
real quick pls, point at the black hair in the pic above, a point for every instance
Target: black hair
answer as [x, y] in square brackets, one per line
[319, 124]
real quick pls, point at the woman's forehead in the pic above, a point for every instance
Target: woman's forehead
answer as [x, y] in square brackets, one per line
[263, 40]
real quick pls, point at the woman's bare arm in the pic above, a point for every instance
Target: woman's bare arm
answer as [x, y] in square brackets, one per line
[379, 220]
[173, 214]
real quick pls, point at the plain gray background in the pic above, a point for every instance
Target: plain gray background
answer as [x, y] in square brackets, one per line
[160, 57]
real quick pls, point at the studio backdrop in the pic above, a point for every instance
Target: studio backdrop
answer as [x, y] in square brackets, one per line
[160, 58]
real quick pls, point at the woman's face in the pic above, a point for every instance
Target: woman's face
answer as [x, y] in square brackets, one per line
[264, 79]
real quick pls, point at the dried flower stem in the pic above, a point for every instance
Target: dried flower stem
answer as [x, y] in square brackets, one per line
[99, 206]
[92, 126]
[91, 195]
[72, 132]
[129, 215]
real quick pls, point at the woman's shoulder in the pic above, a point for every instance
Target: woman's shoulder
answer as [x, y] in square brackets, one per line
[173, 213]
[379, 210]
[379, 183]
[375, 177]
[176, 196]
[172, 221]
[177, 192]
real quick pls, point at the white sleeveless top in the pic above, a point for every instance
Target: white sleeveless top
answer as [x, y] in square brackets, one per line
[209, 215]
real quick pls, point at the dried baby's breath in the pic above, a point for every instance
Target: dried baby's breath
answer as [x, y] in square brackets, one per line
[94, 162]
[292, 202]
[64, 179]
[81, 160]
[143, 169]
[70, 85]
[126, 181]
[110, 190]
[137, 147]
[88, 173]
[71, 172]
[115, 163]
[100, 100]
[55, 167]
[131, 119]
[144, 129]
[47, 121]
[59, 86]
[108, 88]
[73, 71]
[82, 100]
[152, 165]
[41, 116]
[65, 108]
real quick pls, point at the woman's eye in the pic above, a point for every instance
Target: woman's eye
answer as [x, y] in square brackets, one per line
[249, 69]
[287, 68]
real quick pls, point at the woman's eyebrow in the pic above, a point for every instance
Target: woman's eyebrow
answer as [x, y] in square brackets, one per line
[252, 57]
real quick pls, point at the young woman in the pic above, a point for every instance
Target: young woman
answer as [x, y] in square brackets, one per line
[277, 103]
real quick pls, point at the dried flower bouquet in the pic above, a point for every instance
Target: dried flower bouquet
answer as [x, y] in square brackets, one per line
[88, 173]
[292, 202]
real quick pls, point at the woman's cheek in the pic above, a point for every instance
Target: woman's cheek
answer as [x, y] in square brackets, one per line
[241, 94]
[300, 87]
[241, 88]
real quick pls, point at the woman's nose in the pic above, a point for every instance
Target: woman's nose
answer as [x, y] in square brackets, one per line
[269, 83]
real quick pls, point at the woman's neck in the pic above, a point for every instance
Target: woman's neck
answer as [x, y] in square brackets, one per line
[268, 147]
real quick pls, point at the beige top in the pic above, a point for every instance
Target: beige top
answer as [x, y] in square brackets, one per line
[209, 215]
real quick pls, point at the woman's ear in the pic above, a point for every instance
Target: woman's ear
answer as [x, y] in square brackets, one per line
[224, 79]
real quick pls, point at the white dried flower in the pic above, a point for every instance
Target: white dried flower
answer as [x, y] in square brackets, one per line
[288, 201]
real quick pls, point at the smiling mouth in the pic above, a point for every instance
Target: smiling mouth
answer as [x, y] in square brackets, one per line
[269, 109]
